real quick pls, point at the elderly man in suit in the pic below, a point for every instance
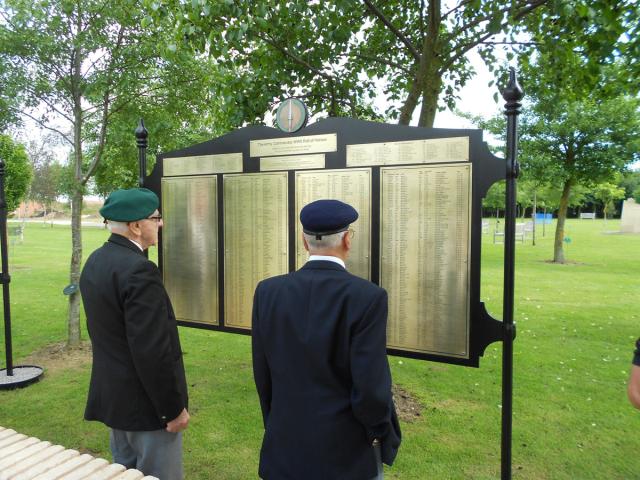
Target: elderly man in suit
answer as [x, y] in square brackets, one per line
[319, 362]
[138, 385]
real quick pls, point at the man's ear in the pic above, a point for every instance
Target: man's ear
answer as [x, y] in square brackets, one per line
[346, 241]
[134, 228]
[304, 242]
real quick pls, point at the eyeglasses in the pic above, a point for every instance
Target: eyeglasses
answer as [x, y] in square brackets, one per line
[351, 232]
[157, 218]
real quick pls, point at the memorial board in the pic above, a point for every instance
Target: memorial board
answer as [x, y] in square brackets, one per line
[352, 186]
[255, 239]
[202, 164]
[190, 247]
[424, 257]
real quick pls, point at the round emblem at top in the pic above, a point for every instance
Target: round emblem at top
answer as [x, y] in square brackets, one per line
[291, 115]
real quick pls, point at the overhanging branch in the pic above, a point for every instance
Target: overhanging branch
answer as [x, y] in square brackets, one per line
[414, 52]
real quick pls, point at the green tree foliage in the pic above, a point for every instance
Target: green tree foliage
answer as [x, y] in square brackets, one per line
[17, 171]
[77, 64]
[45, 185]
[342, 55]
[183, 113]
[495, 197]
[607, 193]
[572, 136]
[630, 181]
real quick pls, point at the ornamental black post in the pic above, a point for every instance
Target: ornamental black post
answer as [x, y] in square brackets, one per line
[19, 376]
[141, 140]
[512, 94]
[5, 279]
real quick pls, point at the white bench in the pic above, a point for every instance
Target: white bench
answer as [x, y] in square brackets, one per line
[29, 458]
[15, 233]
[588, 215]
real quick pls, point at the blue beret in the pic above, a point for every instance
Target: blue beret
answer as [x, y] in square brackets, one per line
[130, 205]
[325, 217]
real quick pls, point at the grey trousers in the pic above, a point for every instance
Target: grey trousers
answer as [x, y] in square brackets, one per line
[157, 453]
[380, 475]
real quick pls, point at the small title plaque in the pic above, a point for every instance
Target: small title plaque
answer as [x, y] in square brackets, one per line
[270, 147]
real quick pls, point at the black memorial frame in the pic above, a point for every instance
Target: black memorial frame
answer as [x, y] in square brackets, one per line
[486, 170]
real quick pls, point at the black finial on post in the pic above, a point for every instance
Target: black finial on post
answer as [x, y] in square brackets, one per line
[141, 139]
[513, 93]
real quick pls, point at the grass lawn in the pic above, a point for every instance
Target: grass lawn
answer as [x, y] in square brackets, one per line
[576, 323]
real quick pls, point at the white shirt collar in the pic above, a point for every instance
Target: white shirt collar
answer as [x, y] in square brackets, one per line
[328, 258]
[136, 244]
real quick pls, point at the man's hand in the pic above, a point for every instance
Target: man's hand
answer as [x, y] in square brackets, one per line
[179, 423]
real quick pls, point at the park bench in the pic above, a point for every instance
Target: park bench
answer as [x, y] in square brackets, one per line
[588, 215]
[28, 458]
[522, 230]
[528, 231]
[520, 233]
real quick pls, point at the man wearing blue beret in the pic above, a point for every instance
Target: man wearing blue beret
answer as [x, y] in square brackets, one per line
[138, 386]
[320, 364]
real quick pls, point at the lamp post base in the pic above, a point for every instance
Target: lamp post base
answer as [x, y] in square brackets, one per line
[22, 376]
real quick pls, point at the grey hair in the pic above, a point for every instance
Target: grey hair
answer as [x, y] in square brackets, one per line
[327, 242]
[117, 227]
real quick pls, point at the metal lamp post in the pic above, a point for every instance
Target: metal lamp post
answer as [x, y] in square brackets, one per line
[512, 94]
[10, 377]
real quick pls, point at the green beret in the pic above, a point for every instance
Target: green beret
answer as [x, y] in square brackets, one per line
[130, 205]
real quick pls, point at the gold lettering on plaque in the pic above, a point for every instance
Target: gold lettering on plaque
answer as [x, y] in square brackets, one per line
[255, 239]
[295, 162]
[190, 247]
[424, 257]
[435, 150]
[294, 145]
[202, 164]
[351, 186]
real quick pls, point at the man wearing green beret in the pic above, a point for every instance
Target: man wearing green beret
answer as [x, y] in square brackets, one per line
[138, 386]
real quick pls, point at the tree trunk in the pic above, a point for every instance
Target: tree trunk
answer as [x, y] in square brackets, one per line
[558, 247]
[73, 320]
[533, 217]
[427, 81]
[76, 262]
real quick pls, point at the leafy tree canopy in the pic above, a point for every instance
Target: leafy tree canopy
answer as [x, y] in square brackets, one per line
[343, 55]
[17, 171]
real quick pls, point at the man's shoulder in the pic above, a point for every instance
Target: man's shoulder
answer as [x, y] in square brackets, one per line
[119, 256]
[273, 282]
[364, 286]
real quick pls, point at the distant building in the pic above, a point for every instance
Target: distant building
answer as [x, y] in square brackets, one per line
[28, 209]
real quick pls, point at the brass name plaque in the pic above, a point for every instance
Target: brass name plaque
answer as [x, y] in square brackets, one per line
[425, 223]
[255, 239]
[202, 164]
[190, 247]
[294, 145]
[351, 186]
[437, 150]
[294, 162]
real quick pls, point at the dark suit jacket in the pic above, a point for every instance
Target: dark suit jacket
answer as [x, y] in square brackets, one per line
[322, 375]
[137, 380]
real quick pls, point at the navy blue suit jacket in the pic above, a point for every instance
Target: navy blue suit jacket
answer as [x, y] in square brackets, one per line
[322, 375]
